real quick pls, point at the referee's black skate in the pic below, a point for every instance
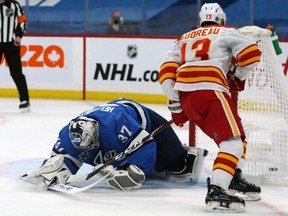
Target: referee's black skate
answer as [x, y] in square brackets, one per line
[24, 106]
[218, 200]
[240, 185]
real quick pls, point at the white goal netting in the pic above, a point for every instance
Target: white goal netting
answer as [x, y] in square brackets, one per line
[263, 108]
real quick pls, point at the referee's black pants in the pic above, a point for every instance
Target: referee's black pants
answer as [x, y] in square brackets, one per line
[13, 59]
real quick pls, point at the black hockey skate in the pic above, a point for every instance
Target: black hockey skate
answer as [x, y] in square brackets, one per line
[218, 200]
[240, 185]
[24, 106]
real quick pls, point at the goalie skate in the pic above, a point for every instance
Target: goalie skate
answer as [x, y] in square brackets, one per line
[218, 200]
[245, 189]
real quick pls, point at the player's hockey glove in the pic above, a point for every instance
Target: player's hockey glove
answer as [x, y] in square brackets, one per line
[129, 179]
[177, 113]
[235, 84]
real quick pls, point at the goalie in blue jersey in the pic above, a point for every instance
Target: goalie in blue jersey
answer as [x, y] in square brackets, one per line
[98, 135]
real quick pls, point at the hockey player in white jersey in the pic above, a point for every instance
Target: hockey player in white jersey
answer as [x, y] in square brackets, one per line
[98, 135]
[194, 78]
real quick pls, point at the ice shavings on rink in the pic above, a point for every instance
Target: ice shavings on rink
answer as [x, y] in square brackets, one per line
[27, 139]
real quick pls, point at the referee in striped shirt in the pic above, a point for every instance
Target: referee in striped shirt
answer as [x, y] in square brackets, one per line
[12, 27]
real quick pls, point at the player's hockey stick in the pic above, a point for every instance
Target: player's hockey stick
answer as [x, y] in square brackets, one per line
[120, 156]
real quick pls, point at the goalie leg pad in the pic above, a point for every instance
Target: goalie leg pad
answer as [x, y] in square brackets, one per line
[53, 169]
[129, 179]
[200, 155]
[194, 164]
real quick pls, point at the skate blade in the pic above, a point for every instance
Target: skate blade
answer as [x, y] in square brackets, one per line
[25, 110]
[232, 208]
[249, 196]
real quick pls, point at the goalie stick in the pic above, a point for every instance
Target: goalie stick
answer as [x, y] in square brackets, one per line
[64, 188]
[77, 178]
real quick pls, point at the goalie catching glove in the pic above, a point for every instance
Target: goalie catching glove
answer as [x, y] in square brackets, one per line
[178, 116]
[52, 171]
[129, 179]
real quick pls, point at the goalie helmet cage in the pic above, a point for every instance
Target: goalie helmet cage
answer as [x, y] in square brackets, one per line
[263, 108]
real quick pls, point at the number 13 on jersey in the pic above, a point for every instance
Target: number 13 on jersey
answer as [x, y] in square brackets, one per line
[198, 50]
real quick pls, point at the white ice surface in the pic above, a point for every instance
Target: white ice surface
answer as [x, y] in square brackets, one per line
[27, 139]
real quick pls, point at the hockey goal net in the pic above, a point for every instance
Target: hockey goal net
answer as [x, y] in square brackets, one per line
[263, 108]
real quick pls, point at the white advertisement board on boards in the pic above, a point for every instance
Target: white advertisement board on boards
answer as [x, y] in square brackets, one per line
[125, 64]
[49, 63]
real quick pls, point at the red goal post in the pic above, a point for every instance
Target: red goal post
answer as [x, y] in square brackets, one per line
[263, 108]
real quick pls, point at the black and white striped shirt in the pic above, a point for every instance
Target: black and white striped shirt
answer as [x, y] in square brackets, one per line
[12, 21]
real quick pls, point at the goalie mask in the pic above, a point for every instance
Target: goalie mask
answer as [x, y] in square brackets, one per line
[212, 12]
[84, 133]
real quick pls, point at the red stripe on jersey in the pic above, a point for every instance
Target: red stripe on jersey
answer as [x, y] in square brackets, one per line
[168, 71]
[249, 56]
[198, 74]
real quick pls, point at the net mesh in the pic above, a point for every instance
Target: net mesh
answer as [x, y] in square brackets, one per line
[263, 108]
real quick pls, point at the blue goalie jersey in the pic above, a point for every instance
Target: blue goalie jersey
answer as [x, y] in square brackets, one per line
[120, 122]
